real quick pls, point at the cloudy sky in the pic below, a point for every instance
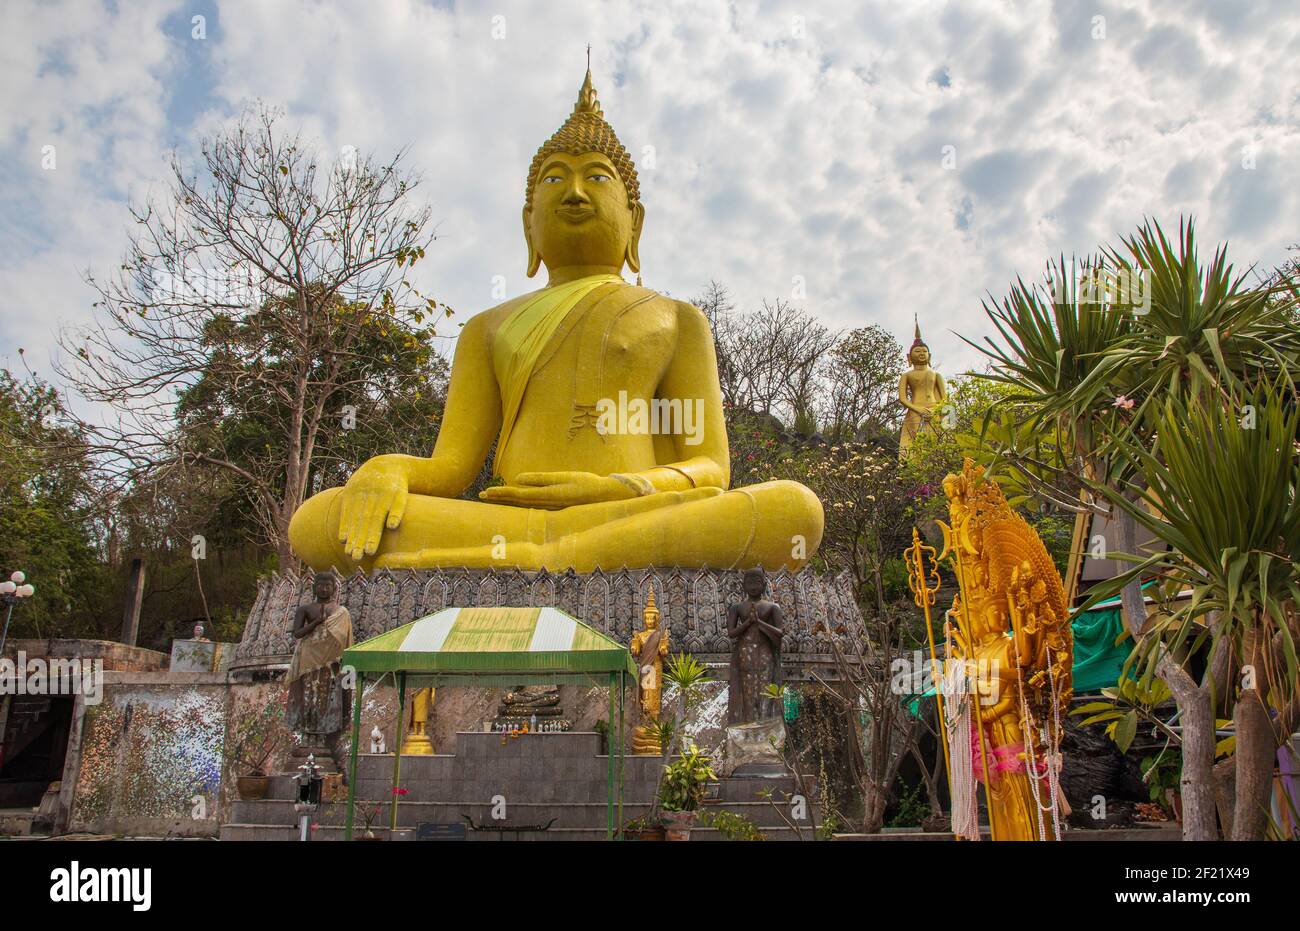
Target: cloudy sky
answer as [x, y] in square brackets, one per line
[788, 139]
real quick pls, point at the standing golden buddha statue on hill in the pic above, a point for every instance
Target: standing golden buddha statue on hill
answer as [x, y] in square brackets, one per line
[920, 390]
[562, 379]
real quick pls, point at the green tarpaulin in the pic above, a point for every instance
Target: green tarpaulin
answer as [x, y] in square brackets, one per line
[1097, 659]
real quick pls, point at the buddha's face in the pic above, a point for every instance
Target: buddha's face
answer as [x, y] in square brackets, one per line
[920, 355]
[323, 588]
[754, 585]
[580, 215]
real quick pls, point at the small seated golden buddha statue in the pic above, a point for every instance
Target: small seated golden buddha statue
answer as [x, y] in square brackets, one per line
[604, 402]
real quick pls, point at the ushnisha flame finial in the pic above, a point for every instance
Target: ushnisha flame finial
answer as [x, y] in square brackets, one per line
[586, 130]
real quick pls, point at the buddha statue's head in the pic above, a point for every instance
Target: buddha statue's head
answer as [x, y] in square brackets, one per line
[324, 586]
[754, 582]
[583, 206]
[650, 614]
[919, 354]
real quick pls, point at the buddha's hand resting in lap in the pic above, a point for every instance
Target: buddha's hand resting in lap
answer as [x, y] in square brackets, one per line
[553, 490]
[374, 498]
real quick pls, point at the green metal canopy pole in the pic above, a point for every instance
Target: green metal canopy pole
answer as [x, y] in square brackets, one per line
[397, 751]
[609, 766]
[622, 687]
[359, 689]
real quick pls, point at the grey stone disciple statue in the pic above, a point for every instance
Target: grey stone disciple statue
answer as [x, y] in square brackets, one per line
[318, 705]
[755, 627]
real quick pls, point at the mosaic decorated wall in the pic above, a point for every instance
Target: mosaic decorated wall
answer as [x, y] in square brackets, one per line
[151, 761]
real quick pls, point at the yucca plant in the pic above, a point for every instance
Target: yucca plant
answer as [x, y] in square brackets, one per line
[1100, 371]
[1205, 331]
[1054, 336]
[1221, 490]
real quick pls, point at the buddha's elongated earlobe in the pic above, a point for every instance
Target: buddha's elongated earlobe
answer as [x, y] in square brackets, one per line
[632, 256]
[534, 257]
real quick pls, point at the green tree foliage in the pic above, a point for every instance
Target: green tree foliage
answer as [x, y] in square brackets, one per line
[46, 527]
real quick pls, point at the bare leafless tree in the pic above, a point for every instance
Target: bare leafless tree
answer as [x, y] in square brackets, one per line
[883, 731]
[860, 381]
[769, 359]
[270, 279]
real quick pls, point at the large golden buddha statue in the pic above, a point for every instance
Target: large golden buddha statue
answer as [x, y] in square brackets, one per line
[604, 403]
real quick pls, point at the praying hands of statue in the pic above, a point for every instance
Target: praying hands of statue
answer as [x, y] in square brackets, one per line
[773, 632]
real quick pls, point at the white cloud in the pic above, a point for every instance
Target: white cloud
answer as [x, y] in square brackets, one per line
[776, 155]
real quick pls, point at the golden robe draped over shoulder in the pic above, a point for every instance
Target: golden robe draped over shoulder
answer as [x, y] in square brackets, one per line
[519, 342]
[322, 646]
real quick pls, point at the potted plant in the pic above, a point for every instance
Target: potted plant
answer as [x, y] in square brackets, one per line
[682, 791]
[256, 740]
[368, 814]
[686, 675]
[643, 829]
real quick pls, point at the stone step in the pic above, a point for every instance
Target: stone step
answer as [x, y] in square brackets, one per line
[544, 791]
[410, 814]
[272, 832]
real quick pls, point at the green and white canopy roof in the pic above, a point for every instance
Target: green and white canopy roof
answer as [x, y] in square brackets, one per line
[508, 645]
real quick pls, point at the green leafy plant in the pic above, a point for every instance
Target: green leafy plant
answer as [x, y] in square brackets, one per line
[1161, 773]
[1129, 702]
[911, 809]
[685, 780]
[663, 728]
[686, 674]
[731, 825]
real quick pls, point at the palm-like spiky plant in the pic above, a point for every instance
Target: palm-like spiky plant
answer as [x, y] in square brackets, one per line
[1204, 333]
[1100, 369]
[1224, 494]
[1054, 338]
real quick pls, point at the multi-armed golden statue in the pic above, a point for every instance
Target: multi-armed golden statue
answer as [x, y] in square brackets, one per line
[604, 402]
[1009, 635]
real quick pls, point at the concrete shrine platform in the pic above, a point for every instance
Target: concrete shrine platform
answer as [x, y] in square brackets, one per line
[818, 609]
[539, 776]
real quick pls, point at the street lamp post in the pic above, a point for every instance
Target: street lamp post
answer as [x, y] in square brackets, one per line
[309, 780]
[11, 591]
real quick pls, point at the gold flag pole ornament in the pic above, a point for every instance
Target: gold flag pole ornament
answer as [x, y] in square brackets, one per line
[1014, 630]
[925, 585]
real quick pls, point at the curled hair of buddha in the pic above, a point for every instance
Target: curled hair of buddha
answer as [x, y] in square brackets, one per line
[586, 131]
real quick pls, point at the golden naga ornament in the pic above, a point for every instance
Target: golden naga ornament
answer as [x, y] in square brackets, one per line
[1011, 652]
